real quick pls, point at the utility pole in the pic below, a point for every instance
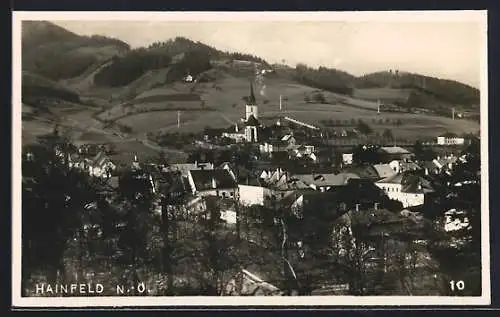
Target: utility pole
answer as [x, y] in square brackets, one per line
[178, 119]
[378, 106]
[453, 113]
[280, 103]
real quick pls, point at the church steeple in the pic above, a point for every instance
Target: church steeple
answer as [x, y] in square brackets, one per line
[252, 100]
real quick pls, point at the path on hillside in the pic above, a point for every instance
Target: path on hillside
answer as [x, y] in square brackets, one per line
[86, 82]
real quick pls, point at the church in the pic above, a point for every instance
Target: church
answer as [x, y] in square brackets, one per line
[250, 121]
[251, 118]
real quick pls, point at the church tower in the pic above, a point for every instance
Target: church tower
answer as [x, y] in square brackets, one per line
[251, 115]
[251, 107]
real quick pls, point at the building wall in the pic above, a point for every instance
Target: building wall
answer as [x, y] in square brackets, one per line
[347, 158]
[225, 193]
[393, 191]
[441, 140]
[251, 110]
[251, 134]
[253, 195]
[237, 137]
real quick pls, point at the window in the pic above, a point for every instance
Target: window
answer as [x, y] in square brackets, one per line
[232, 194]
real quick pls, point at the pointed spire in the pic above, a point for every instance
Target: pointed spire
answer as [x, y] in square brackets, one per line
[252, 100]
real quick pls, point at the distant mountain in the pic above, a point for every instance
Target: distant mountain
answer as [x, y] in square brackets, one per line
[56, 53]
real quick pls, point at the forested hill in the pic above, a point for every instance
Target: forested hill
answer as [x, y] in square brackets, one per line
[180, 54]
[443, 89]
[56, 53]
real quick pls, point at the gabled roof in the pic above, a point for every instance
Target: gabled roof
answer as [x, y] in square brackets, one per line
[184, 168]
[384, 170]
[325, 179]
[205, 179]
[394, 150]
[252, 122]
[394, 179]
[367, 172]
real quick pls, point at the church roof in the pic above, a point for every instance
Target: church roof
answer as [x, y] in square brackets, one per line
[252, 122]
[251, 99]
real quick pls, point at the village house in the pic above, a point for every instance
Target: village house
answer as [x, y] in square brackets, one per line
[408, 189]
[98, 166]
[216, 182]
[102, 166]
[184, 168]
[450, 139]
[273, 146]
[324, 182]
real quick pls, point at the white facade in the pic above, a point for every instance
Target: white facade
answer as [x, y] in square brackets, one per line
[347, 158]
[253, 195]
[251, 134]
[237, 137]
[443, 140]
[394, 191]
[251, 110]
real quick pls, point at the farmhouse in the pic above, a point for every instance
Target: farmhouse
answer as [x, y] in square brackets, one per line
[218, 182]
[450, 139]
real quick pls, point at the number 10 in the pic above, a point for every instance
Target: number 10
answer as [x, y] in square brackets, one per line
[457, 285]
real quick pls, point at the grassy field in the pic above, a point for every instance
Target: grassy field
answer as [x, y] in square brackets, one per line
[227, 100]
[382, 94]
[225, 96]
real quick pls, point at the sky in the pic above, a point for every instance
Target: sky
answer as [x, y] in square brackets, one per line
[445, 49]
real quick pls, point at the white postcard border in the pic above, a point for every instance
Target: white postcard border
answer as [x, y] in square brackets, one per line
[354, 301]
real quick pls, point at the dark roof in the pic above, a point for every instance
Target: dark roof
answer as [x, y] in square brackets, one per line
[204, 179]
[252, 122]
[367, 172]
[251, 99]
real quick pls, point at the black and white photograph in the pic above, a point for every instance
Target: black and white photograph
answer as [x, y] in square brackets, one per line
[250, 158]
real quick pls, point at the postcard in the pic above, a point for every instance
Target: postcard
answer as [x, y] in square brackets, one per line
[250, 159]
